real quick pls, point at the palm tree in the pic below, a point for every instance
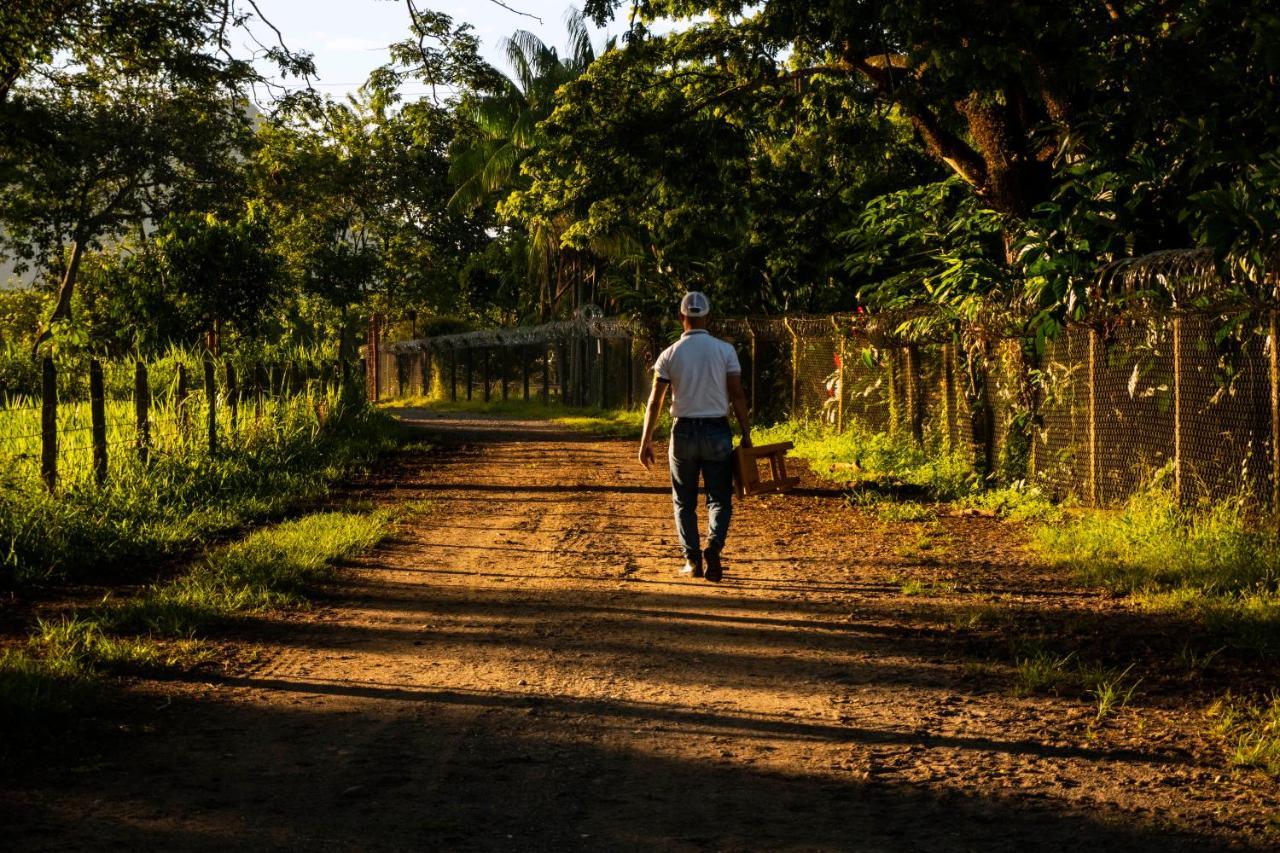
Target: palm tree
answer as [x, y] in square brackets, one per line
[486, 166]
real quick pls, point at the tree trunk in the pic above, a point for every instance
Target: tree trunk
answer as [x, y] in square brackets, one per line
[62, 307]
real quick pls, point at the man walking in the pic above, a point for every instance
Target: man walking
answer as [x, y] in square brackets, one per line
[705, 379]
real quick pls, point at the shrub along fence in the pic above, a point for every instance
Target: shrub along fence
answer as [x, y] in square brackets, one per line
[1164, 382]
[94, 417]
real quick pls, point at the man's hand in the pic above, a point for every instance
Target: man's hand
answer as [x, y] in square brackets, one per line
[646, 453]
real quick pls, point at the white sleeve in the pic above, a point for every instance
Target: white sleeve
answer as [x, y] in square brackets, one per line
[660, 366]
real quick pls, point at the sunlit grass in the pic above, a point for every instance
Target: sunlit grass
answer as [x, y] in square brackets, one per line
[1208, 563]
[860, 456]
[180, 500]
[164, 626]
[1251, 730]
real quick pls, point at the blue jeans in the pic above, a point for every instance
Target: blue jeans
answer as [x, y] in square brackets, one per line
[701, 446]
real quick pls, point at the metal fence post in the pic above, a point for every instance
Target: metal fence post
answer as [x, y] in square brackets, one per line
[98, 420]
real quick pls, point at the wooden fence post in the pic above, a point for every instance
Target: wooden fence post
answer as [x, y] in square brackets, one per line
[453, 375]
[211, 400]
[142, 410]
[755, 373]
[98, 420]
[915, 407]
[49, 423]
[180, 401]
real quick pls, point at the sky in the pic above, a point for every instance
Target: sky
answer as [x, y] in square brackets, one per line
[349, 37]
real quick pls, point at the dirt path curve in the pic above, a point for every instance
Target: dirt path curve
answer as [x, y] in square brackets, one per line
[521, 669]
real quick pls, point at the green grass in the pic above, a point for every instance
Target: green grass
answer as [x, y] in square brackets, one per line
[608, 423]
[182, 500]
[1209, 563]
[56, 673]
[1251, 730]
[1019, 502]
[859, 456]
[269, 568]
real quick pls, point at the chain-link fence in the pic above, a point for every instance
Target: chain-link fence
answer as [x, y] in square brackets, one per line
[1092, 414]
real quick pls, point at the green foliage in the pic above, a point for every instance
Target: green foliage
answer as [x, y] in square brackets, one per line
[269, 568]
[1209, 563]
[180, 500]
[860, 456]
[1251, 730]
[1153, 544]
[1019, 502]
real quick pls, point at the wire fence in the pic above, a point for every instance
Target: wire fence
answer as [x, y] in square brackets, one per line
[97, 420]
[1093, 414]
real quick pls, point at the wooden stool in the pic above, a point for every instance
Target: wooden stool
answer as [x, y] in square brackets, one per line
[746, 469]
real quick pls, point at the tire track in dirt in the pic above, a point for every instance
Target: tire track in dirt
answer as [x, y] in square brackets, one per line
[522, 669]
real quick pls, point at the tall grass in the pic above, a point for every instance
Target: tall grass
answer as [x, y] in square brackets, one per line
[860, 456]
[184, 496]
[1209, 562]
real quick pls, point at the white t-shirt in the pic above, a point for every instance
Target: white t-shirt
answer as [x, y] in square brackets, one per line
[696, 366]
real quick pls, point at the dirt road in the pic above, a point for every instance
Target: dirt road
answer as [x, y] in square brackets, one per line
[522, 669]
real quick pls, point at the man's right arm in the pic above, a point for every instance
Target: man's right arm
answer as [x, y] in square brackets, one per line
[651, 412]
[738, 400]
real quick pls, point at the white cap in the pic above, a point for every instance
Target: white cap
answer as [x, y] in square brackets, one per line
[695, 304]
